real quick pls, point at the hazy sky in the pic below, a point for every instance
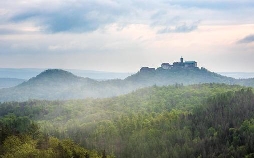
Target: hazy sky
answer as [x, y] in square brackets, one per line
[124, 35]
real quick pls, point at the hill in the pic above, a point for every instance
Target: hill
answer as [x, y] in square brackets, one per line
[56, 84]
[27, 73]
[184, 76]
[52, 77]
[50, 84]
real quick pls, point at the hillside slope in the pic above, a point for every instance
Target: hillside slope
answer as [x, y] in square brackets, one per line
[55, 84]
[180, 76]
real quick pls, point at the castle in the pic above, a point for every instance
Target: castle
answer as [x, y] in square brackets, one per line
[167, 66]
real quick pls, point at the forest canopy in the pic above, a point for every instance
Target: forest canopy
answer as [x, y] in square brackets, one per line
[202, 120]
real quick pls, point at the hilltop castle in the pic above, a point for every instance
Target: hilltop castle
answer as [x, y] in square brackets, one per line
[167, 66]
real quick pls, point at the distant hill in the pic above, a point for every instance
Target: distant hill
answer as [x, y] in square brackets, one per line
[56, 77]
[10, 82]
[27, 73]
[181, 76]
[56, 84]
[50, 84]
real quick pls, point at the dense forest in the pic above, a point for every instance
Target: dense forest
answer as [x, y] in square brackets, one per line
[201, 120]
[20, 137]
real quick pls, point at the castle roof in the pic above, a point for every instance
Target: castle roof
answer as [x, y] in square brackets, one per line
[190, 62]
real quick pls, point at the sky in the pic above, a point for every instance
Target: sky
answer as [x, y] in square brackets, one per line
[124, 35]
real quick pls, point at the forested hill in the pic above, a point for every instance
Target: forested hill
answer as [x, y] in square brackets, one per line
[56, 84]
[184, 76]
[56, 77]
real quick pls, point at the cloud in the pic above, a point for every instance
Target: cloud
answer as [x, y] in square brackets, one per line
[76, 33]
[19, 31]
[215, 4]
[4, 31]
[247, 39]
[183, 28]
[87, 16]
[78, 17]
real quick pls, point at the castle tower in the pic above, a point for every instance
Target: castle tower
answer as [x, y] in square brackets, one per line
[181, 59]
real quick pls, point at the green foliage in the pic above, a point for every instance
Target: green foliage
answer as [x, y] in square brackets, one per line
[203, 120]
[21, 143]
[224, 126]
[12, 125]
